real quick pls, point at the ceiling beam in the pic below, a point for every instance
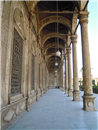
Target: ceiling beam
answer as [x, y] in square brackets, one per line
[55, 12]
[78, 21]
[59, 35]
[53, 47]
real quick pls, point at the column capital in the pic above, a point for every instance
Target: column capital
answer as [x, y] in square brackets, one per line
[65, 56]
[74, 38]
[68, 50]
[83, 17]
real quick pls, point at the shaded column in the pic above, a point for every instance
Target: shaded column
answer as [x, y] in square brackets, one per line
[66, 74]
[88, 98]
[70, 94]
[76, 93]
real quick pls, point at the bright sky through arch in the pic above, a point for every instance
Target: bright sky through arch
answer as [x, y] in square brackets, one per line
[93, 39]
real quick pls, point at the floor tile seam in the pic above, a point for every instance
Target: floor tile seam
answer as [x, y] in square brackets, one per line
[87, 125]
[79, 128]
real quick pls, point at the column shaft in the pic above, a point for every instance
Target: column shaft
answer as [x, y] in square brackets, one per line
[69, 73]
[76, 93]
[88, 98]
[66, 75]
[87, 81]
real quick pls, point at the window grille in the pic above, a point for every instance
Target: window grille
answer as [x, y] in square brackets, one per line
[16, 63]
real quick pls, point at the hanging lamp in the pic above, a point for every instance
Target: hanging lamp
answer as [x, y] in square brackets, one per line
[58, 53]
[56, 64]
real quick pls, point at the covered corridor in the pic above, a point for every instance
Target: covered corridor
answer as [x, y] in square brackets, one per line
[38, 39]
[56, 111]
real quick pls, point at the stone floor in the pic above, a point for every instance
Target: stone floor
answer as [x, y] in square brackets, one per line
[56, 111]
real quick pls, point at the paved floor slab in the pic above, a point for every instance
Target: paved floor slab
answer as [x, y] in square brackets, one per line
[56, 111]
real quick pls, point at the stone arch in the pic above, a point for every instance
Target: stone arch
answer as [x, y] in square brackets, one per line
[51, 35]
[49, 56]
[50, 45]
[52, 19]
[19, 20]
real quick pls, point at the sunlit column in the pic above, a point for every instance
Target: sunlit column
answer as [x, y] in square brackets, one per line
[66, 74]
[70, 94]
[88, 98]
[76, 93]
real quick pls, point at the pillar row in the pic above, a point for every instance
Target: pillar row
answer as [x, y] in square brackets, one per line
[88, 98]
[76, 93]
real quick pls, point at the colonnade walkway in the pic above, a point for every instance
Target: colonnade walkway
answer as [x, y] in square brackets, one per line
[57, 111]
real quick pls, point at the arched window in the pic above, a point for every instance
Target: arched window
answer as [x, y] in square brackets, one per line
[16, 63]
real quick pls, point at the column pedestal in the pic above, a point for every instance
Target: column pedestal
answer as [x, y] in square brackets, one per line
[70, 93]
[37, 96]
[88, 103]
[41, 92]
[28, 103]
[76, 96]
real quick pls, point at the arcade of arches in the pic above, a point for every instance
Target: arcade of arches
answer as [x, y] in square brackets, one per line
[31, 34]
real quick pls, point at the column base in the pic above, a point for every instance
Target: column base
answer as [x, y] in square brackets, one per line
[61, 88]
[76, 96]
[37, 96]
[70, 93]
[28, 104]
[41, 92]
[88, 103]
[66, 91]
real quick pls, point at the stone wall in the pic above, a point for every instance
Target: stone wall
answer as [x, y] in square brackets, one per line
[14, 15]
[10, 112]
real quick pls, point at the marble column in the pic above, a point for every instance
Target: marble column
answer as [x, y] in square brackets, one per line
[70, 93]
[66, 75]
[76, 93]
[88, 98]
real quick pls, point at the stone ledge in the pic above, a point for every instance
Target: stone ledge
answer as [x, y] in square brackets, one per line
[12, 104]
[14, 98]
[8, 125]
